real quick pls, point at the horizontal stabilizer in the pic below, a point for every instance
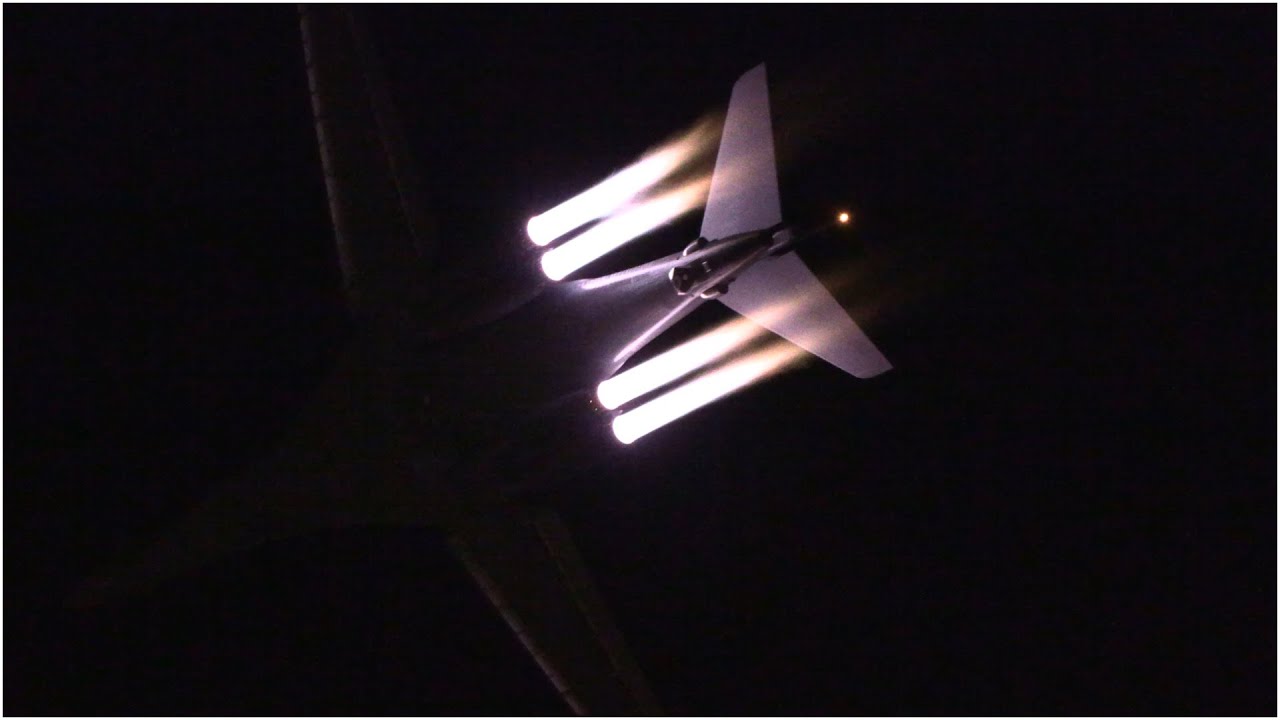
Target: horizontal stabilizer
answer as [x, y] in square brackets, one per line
[784, 296]
[744, 187]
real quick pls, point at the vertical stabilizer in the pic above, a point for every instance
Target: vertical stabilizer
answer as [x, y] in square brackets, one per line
[781, 293]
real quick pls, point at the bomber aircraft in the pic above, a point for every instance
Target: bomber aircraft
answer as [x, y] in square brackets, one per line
[436, 412]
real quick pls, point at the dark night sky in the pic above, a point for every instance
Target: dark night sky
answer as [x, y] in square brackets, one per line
[1062, 500]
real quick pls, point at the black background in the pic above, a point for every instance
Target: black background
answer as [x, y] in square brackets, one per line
[1062, 499]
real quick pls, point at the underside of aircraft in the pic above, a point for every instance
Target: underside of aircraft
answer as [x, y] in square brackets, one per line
[437, 356]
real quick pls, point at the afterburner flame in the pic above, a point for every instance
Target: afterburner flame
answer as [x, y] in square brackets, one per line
[622, 228]
[634, 424]
[623, 187]
[676, 363]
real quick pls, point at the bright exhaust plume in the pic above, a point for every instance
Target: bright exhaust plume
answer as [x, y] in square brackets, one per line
[634, 424]
[601, 200]
[623, 187]
[676, 363]
[623, 228]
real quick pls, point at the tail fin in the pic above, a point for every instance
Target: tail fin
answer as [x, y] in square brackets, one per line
[744, 187]
[780, 293]
[783, 295]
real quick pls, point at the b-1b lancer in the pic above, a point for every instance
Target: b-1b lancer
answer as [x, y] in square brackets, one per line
[428, 416]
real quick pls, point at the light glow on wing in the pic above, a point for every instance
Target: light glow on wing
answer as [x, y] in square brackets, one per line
[676, 363]
[634, 424]
[622, 228]
[623, 187]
